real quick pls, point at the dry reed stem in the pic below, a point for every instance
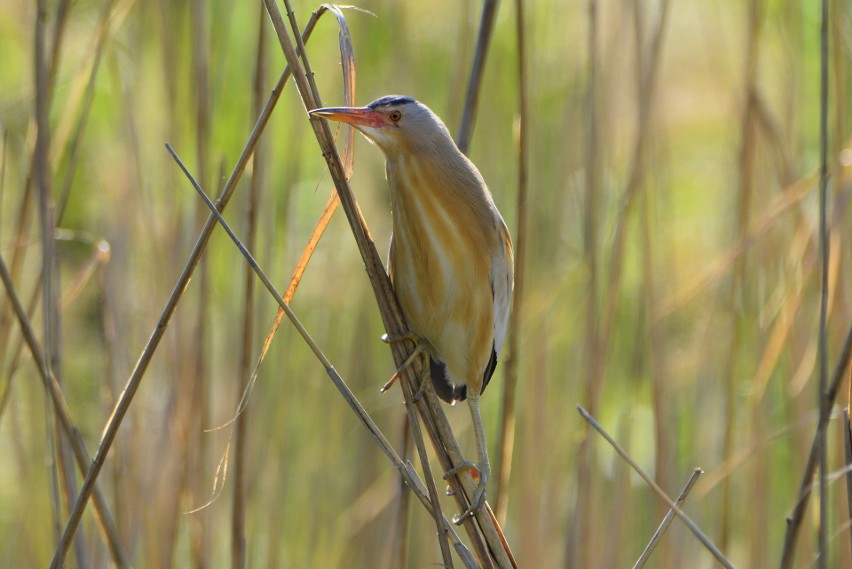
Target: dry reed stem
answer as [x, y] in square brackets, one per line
[3, 158]
[506, 439]
[744, 455]
[745, 190]
[398, 556]
[132, 385]
[651, 330]
[648, 72]
[348, 65]
[656, 369]
[649, 549]
[192, 395]
[104, 519]
[659, 491]
[62, 11]
[71, 148]
[58, 147]
[822, 350]
[238, 503]
[314, 95]
[719, 267]
[405, 470]
[63, 479]
[619, 493]
[794, 522]
[846, 426]
[17, 349]
[471, 102]
[316, 234]
[5, 378]
[647, 67]
[99, 256]
[592, 189]
[578, 532]
[445, 446]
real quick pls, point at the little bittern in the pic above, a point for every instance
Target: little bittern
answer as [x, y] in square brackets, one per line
[451, 261]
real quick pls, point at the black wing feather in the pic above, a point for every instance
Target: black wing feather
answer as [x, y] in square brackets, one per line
[449, 391]
[444, 386]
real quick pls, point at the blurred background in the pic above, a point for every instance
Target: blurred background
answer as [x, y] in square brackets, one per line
[671, 282]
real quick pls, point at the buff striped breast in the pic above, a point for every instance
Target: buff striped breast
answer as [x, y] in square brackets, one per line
[439, 217]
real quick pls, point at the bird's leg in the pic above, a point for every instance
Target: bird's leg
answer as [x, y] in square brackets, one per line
[420, 347]
[482, 467]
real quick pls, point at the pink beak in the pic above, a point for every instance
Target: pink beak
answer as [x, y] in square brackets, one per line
[356, 116]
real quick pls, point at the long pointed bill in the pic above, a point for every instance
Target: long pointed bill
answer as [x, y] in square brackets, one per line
[356, 116]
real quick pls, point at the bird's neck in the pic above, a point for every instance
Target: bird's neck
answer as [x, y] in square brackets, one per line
[421, 181]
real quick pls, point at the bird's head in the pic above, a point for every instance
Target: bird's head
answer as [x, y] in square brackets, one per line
[394, 122]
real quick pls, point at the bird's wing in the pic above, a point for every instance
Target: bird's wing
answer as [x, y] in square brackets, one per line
[502, 282]
[444, 386]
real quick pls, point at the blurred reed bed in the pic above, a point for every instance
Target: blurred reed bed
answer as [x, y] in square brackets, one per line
[671, 279]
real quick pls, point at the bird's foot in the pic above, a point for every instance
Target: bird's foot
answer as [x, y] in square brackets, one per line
[420, 347]
[395, 338]
[479, 473]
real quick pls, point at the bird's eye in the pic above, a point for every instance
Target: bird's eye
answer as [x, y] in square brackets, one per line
[395, 116]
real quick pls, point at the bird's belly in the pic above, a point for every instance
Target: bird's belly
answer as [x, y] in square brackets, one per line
[446, 298]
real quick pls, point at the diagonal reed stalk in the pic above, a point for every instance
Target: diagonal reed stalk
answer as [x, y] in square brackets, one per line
[308, 90]
[132, 385]
[407, 473]
[430, 410]
[646, 554]
[65, 145]
[59, 147]
[105, 522]
[348, 65]
[659, 491]
[347, 57]
[794, 521]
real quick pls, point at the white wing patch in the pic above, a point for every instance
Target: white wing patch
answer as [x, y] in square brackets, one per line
[502, 282]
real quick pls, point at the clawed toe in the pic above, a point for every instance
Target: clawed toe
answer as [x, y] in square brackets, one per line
[466, 465]
[395, 338]
[481, 476]
[419, 348]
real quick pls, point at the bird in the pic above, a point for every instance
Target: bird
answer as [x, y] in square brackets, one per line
[450, 262]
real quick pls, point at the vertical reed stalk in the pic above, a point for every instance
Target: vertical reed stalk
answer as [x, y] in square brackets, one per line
[471, 101]
[794, 521]
[822, 350]
[506, 439]
[196, 385]
[578, 543]
[238, 507]
[132, 385]
[746, 165]
[443, 440]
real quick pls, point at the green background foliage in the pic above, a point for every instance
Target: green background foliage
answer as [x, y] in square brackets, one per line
[710, 359]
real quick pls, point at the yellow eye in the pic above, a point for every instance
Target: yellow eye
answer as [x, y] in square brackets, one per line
[395, 116]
